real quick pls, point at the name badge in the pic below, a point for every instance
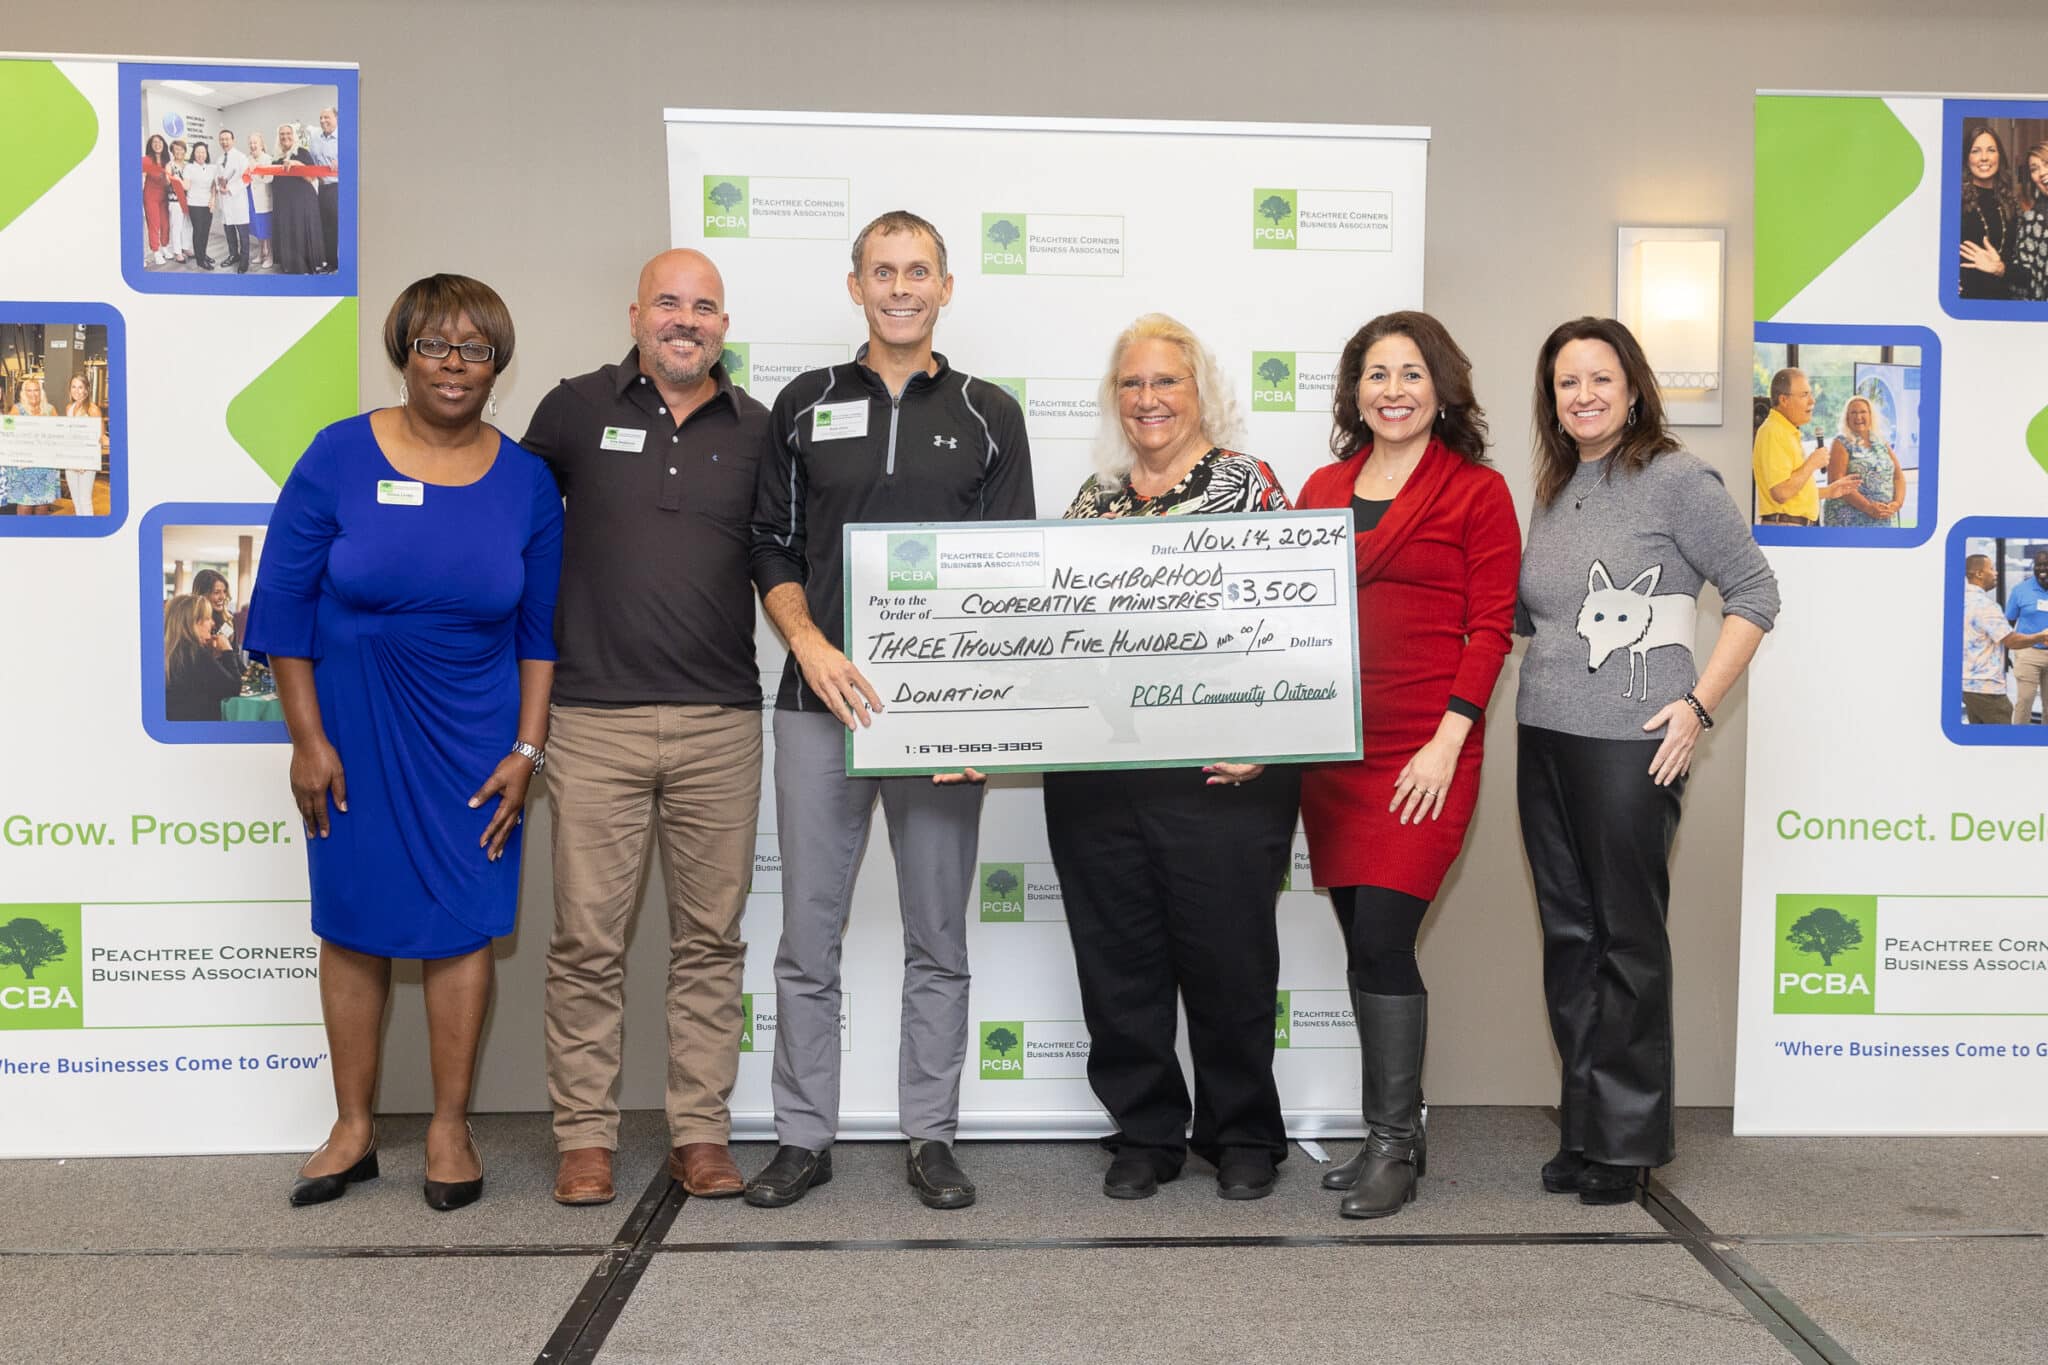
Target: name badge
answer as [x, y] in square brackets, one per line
[839, 421]
[401, 492]
[631, 439]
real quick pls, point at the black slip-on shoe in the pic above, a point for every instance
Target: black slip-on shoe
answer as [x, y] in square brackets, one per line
[937, 1177]
[1246, 1173]
[788, 1176]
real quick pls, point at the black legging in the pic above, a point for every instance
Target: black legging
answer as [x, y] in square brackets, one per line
[1380, 927]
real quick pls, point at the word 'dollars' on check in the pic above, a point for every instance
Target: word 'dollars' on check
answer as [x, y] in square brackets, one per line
[1136, 642]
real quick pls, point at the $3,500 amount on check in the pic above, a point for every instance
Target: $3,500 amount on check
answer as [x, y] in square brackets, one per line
[1133, 642]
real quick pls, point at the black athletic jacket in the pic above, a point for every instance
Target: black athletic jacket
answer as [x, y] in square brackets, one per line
[950, 448]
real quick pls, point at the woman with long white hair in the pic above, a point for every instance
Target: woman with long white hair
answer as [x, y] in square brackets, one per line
[1171, 876]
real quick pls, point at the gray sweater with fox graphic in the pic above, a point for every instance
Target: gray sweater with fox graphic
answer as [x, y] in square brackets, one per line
[1610, 588]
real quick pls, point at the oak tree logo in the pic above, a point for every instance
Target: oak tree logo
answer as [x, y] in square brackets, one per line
[1273, 377]
[1005, 249]
[725, 206]
[1273, 219]
[42, 976]
[1826, 931]
[29, 943]
[1833, 930]
[913, 563]
[999, 1041]
[1002, 892]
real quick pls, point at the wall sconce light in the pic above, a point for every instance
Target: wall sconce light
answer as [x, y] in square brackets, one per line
[1668, 290]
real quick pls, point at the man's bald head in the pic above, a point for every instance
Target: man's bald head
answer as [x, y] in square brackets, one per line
[678, 319]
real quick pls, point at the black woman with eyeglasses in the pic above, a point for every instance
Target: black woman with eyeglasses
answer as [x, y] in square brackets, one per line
[1171, 876]
[406, 602]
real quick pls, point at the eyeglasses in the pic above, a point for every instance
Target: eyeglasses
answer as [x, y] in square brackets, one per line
[434, 348]
[1165, 385]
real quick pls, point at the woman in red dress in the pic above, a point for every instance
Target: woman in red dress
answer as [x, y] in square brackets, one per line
[156, 232]
[1438, 556]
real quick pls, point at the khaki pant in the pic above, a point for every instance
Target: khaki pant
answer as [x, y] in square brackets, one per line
[2030, 673]
[695, 773]
[1987, 708]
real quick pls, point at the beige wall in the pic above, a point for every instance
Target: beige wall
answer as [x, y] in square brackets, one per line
[522, 142]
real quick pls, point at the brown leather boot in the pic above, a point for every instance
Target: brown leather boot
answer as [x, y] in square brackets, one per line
[706, 1170]
[584, 1177]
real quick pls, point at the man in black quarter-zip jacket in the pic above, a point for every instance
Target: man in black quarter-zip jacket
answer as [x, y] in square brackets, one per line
[896, 435]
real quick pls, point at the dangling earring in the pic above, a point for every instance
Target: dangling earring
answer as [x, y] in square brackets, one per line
[1558, 422]
[1440, 412]
[401, 393]
[1631, 414]
[491, 405]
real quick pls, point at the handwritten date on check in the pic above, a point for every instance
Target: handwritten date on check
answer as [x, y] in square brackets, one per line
[1141, 642]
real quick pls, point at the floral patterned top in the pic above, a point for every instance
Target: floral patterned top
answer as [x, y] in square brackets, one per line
[1984, 632]
[1872, 461]
[2030, 250]
[1221, 481]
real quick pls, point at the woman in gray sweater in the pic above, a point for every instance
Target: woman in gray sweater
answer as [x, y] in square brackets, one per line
[1626, 529]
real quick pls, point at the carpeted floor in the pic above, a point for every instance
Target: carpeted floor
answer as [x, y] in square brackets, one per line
[1888, 1252]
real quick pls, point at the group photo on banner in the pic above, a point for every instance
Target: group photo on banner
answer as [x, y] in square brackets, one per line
[1158, 631]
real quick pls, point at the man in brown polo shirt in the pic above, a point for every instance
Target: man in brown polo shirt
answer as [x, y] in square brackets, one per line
[656, 718]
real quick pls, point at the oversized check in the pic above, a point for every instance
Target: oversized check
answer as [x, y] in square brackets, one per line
[1136, 642]
[50, 442]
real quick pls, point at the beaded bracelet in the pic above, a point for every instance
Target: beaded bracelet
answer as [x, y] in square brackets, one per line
[1706, 721]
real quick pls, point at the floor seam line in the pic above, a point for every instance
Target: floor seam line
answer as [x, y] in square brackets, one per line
[596, 1308]
[1220, 1241]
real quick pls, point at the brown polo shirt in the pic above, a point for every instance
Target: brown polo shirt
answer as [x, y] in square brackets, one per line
[656, 603]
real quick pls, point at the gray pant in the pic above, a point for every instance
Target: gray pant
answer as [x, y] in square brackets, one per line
[822, 824]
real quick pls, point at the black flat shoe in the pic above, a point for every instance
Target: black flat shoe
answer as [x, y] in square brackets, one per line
[445, 1196]
[1133, 1176]
[1245, 1173]
[1601, 1183]
[788, 1177]
[1561, 1173]
[318, 1189]
[936, 1176]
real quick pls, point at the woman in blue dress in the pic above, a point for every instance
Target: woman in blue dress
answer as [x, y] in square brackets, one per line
[406, 602]
[1859, 451]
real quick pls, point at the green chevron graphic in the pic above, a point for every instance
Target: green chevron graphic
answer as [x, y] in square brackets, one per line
[54, 127]
[309, 386]
[1828, 170]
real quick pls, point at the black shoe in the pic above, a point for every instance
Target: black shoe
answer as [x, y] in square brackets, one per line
[241, 267]
[1245, 1173]
[318, 1189]
[445, 1196]
[1133, 1175]
[1601, 1183]
[788, 1175]
[937, 1177]
[1561, 1173]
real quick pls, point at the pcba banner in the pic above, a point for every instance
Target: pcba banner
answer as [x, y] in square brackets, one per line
[174, 327]
[1894, 972]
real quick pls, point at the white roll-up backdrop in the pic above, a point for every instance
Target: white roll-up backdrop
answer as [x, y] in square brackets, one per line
[1274, 242]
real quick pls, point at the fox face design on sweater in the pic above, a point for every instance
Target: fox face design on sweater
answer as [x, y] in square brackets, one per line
[1633, 618]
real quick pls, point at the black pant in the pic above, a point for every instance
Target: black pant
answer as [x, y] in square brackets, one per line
[238, 242]
[330, 222]
[1598, 834]
[202, 230]
[1171, 887]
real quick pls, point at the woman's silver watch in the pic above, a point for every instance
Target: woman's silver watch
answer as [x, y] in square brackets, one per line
[538, 757]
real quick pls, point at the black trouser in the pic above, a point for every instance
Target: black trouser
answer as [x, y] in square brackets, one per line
[202, 230]
[1171, 887]
[330, 223]
[1598, 834]
[238, 242]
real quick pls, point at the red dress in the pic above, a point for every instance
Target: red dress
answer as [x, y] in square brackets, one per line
[1436, 605]
[155, 231]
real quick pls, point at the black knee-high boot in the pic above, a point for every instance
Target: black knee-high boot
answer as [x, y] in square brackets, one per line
[1392, 1032]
